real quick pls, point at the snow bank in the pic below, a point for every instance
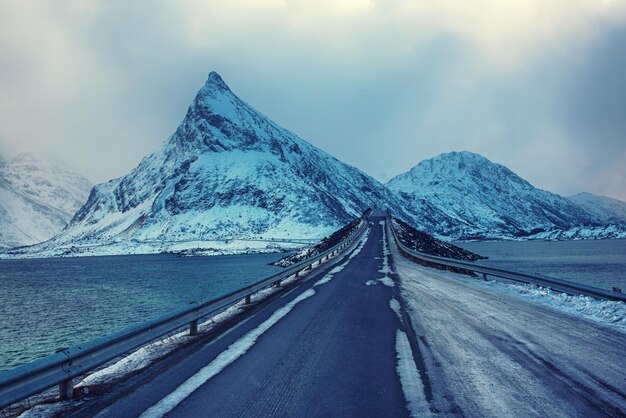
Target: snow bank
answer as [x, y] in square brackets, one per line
[599, 310]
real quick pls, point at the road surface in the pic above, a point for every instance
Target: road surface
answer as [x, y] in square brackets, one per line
[324, 347]
[371, 334]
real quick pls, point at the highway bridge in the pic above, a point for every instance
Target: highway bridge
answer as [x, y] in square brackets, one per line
[370, 333]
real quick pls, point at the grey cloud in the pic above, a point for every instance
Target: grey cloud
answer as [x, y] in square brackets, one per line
[104, 85]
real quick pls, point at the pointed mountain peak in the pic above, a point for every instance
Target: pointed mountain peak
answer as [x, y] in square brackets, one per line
[216, 81]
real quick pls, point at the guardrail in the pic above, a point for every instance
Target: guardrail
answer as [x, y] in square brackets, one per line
[518, 276]
[60, 368]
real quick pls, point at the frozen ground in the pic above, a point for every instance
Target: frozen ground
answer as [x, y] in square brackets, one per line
[497, 350]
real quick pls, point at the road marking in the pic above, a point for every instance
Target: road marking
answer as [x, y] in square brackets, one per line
[410, 379]
[227, 357]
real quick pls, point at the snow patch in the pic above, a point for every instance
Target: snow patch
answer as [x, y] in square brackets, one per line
[361, 245]
[395, 306]
[385, 269]
[328, 277]
[606, 311]
[410, 379]
[387, 281]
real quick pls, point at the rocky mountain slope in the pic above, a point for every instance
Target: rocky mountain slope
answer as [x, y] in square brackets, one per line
[464, 195]
[38, 197]
[604, 209]
[227, 173]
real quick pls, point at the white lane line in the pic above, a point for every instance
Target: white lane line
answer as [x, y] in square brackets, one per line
[232, 353]
[410, 379]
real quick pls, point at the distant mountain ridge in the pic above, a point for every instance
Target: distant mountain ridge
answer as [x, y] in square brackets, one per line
[38, 197]
[464, 195]
[228, 172]
[230, 180]
[602, 208]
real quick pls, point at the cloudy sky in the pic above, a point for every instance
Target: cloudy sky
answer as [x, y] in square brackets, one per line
[537, 85]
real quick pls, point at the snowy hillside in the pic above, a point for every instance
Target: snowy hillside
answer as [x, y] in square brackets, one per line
[464, 195]
[227, 173]
[38, 197]
[611, 231]
[605, 209]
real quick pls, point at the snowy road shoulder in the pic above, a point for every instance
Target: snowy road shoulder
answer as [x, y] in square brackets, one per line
[601, 311]
[492, 349]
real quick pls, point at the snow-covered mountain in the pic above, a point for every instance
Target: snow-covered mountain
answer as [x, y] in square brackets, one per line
[605, 209]
[38, 197]
[227, 173]
[463, 195]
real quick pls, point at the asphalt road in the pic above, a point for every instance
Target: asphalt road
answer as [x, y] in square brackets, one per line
[371, 334]
[325, 346]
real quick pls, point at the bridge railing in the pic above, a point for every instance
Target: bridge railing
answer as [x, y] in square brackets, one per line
[553, 283]
[61, 368]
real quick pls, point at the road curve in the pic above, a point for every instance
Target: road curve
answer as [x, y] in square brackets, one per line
[325, 346]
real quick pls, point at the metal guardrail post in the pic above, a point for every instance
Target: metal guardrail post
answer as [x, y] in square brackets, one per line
[193, 327]
[66, 390]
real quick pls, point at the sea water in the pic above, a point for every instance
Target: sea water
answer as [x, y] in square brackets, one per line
[598, 263]
[46, 304]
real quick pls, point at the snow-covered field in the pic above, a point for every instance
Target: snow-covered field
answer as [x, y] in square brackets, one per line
[493, 349]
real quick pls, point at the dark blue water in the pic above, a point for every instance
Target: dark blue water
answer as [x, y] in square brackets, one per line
[50, 303]
[599, 263]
